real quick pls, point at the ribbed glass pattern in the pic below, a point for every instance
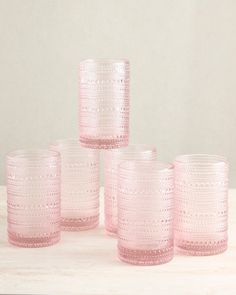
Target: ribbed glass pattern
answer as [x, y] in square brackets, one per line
[104, 103]
[145, 212]
[201, 210]
[33, 197]
[79, 185]
[112, 159]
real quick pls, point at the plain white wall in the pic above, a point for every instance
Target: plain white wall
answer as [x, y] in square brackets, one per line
[183, 59]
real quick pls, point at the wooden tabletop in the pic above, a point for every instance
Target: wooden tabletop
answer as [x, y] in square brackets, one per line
[86, 263]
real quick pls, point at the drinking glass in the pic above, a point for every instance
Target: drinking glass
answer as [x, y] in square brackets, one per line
[201, 210]
[33, 197]
[104, 103]
[145, 212]
[79, 185]
[112, 159]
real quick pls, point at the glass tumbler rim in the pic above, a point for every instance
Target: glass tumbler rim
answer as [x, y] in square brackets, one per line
[72, 145]
[203, 160]
[25, 156]
[106, 60]
[140, 163]
[134, 147]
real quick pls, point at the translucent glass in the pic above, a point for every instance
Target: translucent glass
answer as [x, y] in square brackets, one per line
[104, 103]
[201, 193]
[33, 197]
[112, 160]
[79, 185]
[145, 212]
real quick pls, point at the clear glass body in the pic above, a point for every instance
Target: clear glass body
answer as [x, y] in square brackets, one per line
[145, 212]
[201, 210]
[33, 197]
[104, 103]
[112, 159]
[79, 185]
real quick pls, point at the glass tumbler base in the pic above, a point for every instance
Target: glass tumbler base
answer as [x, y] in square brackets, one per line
[111, 233]
[103, 143]
[34, 242]
[145, 257]
[78, 224]
[110, 229]
[203, 249]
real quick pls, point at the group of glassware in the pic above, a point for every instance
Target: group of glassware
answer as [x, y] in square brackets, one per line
[149, 205]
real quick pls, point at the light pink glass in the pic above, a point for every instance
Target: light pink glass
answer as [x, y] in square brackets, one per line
[112, 159]
[145, 212]
[33, 197]
[79, 185]
[201, 193]
[104, 103]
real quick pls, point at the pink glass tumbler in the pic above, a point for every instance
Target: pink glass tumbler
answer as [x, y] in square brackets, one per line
[104, 103]
[33, 198]
[112, 159]
[79, 185]
[201, 193]
[145, 212]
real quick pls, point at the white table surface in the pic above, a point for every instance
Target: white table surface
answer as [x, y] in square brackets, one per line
[86, 263]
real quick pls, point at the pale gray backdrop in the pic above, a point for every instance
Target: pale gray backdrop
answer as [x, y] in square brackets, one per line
[183, 59]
